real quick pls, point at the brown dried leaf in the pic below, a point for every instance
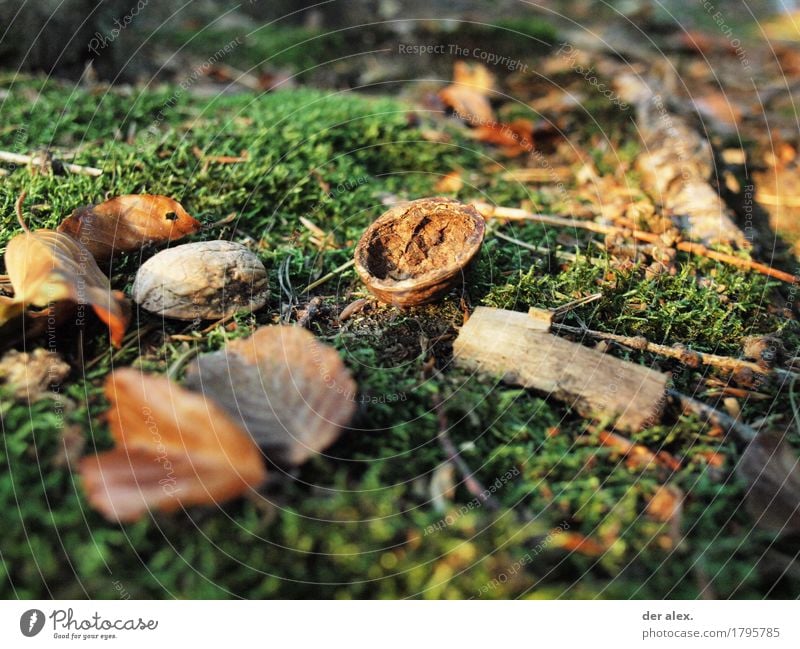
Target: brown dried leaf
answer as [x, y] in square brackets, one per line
[47, 267]
[666, 503]
[450, 183]
[291, 392]
[514, 138]
[577, 542]
[126, 223]
[476, 76]
[772, 471]
[468, 104]
[174, 449]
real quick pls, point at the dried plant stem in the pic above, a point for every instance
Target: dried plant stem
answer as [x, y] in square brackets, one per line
[472, 484]
[336, 271]
[18, 158]
[18, 211]
[541, 249]
[683, 354]
[515, 214]
[177, 365]
[743, 432]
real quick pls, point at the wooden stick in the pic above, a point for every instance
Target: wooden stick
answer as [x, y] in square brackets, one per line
[472, 484]
[20, 159]
[779, 201]
[329, 276]
[743, 432]
[515, 214]
[521, 350]
[685, 355]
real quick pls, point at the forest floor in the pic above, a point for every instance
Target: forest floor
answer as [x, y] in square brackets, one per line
[579, 518]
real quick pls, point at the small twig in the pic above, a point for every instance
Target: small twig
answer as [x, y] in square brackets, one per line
[515, 214]
[793, 403]
[336, 271]
[778, 201]
[18, 158]
[472, 484]
[550, 175]
[311, 310]
[743, 432]
[18, 210]
[683, 354]
[541, 249]
[217, 323]
[574, 304]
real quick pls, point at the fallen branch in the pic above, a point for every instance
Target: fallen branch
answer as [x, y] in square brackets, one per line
[515, 214]
[683, 354]
[472, 484]
[20, 159]
[743, 432]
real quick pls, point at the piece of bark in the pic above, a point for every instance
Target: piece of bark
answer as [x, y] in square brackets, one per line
[523, 351]
[677, 166]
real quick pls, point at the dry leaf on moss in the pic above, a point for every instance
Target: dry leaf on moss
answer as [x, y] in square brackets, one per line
[450, 183]
[475, 75]
[47, 267]
[771, 469]
[290, 391]
[174, 448]
[515, 138]
[126, 223]
[468, 104]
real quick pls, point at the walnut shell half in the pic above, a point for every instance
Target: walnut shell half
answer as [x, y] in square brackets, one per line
[201, 281]
[416, 252]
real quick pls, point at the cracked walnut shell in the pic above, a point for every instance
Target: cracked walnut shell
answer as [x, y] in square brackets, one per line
[416, 252]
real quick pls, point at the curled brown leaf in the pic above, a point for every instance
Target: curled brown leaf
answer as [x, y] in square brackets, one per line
[290, 391]
[126, 223]
[174, 448]
[47, 267]
[771, 470]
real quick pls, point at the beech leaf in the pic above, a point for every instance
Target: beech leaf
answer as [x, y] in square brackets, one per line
[47, 267]
[173, 449]
[468, 103]
[126, 223]
[772, 471]
[291, 392]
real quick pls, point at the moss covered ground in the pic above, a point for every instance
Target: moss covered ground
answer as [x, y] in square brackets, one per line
[359, 522]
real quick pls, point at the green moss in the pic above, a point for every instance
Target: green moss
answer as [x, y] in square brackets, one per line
[356, 522]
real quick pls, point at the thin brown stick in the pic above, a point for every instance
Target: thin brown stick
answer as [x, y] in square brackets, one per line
[515, 214]
[743, 432]
[472, 484]
[18, 158]
[778, 201]
[18, 211]
[336, 271]
[683, 354]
